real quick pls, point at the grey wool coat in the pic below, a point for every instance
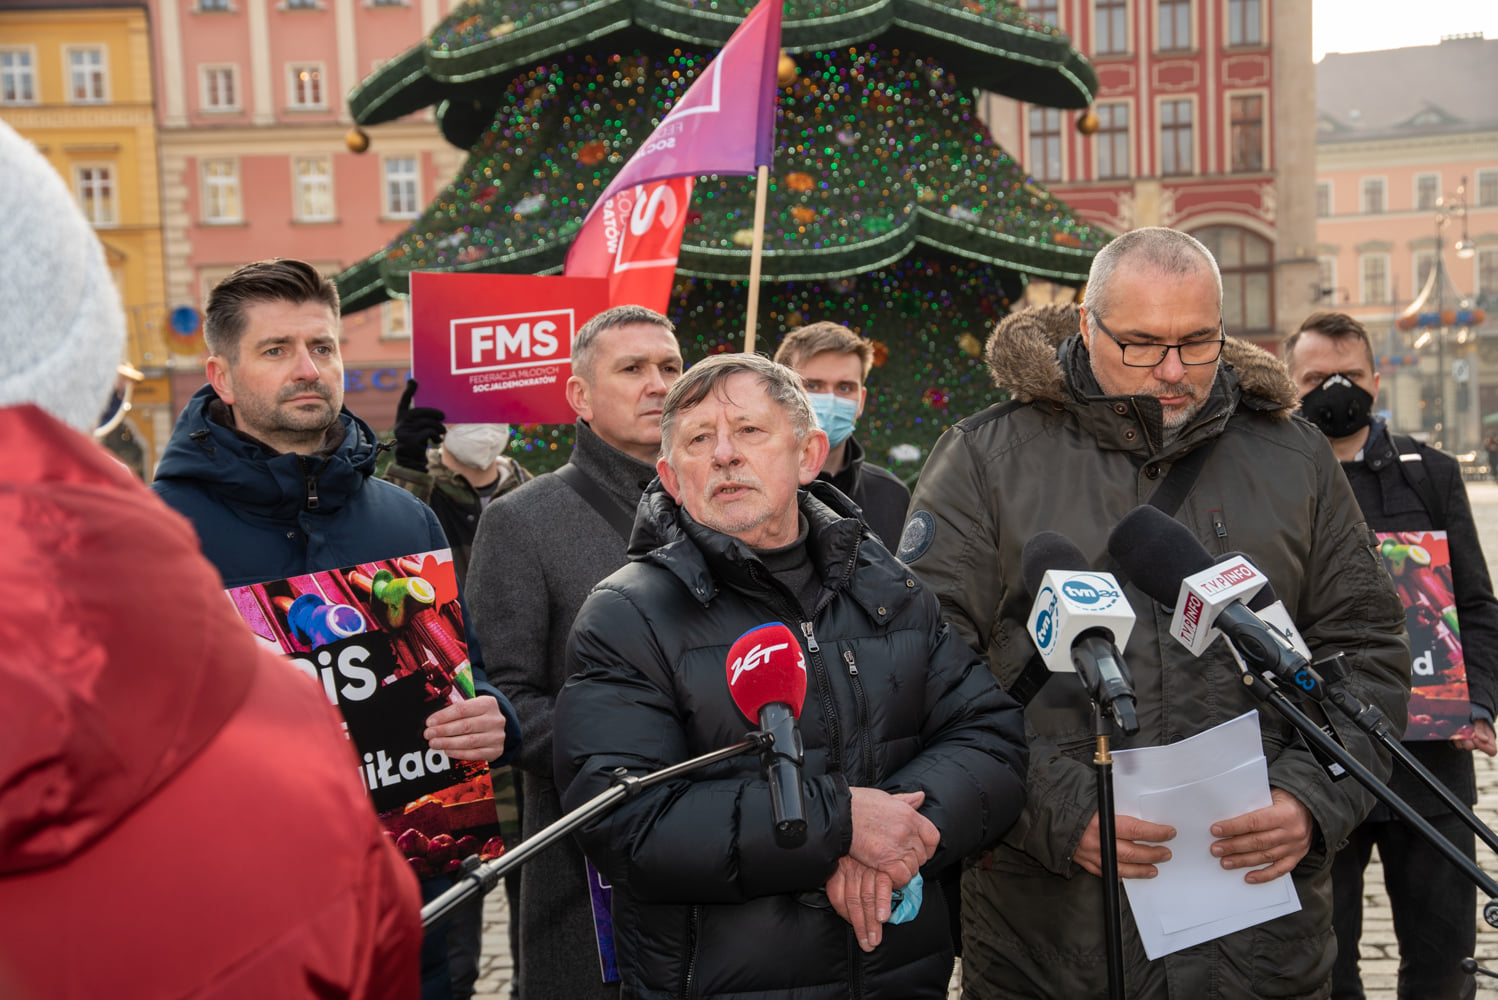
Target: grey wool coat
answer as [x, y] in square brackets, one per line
[539, 551]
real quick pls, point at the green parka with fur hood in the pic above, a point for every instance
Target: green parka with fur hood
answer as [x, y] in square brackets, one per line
[1069, 459]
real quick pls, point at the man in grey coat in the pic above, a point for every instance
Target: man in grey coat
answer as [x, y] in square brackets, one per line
[538, 552]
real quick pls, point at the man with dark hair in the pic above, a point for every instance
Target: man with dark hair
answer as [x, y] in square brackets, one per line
[913, 756]
[277, 478]
[539, 550]
[1402, 485]
[834, 362]
[1138, 397]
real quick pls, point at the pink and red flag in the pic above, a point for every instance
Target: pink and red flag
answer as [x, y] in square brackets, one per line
[632, 234]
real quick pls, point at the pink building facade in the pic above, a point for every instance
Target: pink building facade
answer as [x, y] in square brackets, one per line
[1204, 123]
[256, 161]
[1407, 169]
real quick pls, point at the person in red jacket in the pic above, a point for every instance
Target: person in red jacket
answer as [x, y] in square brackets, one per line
[180, 814]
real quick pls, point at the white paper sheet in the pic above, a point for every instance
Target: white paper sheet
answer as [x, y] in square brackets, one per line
[1190, 785]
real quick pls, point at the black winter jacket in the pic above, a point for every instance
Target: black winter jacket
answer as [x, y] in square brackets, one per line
[1389, 503]
[705, 903]
[881, 497]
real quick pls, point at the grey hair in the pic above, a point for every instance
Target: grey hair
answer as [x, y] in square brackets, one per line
[1166, 251]
[781, 384]
[584, 344]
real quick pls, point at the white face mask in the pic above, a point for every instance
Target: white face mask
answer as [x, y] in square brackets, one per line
[476, 445]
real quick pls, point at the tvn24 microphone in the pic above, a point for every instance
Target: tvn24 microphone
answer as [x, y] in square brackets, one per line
[767, 678]
[1079, 622]
[1166, 561]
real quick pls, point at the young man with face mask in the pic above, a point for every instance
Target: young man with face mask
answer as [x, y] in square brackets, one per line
[1331, 362]
[833, 363]
[456, 469]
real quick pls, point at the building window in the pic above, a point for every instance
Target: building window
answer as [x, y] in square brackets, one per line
[1374, 275]
[1424, 262]
[306, 86]
[1175, 25]
[1175, 138]
[87, 80]
[1243, 22]
[1487, 278]
[1111, 25]
[17, 77]
[1247, 116]
[302, 4]
[314, 188]
[1373, 195]
[221, 191]
[1112, 141]
[214, 5]
[1323, 199]
[219, 90]
[1044, 10]
[1045, 144]
[395, 324]
[1326, 268]
[401, 190]
[1427, 192]
[1247, 263]
[1487, 188]
[95, 186]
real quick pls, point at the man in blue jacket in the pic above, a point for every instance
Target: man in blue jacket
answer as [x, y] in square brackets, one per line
[277, 478]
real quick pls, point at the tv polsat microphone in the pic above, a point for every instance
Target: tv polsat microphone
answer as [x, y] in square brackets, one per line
[1079, 622]
[1165, 560]
[767, 679]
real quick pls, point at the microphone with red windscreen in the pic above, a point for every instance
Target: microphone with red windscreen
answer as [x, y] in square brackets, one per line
[767, 678]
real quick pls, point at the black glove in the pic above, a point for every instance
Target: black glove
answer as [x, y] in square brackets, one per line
[416, 427]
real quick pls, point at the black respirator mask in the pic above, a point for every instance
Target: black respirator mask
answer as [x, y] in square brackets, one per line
[1338, 406]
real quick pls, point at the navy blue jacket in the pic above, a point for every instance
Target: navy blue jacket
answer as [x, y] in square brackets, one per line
[263, 516]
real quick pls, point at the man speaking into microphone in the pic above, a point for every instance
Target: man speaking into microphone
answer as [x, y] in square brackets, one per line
[1139, 397]
[743, 591]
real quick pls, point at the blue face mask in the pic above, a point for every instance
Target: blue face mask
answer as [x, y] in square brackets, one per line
[835, 415]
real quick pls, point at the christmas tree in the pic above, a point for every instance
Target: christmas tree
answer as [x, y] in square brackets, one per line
[890, 210]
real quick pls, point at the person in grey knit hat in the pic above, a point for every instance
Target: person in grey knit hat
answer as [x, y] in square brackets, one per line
[61, 325]
[539, 550]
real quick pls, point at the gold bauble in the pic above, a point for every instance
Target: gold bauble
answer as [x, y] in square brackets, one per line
[357, 140]
[1087, 122]
[785, 70]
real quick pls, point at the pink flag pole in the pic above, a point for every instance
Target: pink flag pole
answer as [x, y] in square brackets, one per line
[761, 195]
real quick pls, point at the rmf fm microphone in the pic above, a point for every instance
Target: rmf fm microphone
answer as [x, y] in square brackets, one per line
[767, 678]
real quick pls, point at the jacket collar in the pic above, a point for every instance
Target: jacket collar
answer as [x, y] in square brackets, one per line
[707, 561]
[623, 477]
[1038, 356]
[241, 472]
[846, 478]
[1379, 450]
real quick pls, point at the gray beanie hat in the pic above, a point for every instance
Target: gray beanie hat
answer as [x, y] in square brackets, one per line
[61, 325]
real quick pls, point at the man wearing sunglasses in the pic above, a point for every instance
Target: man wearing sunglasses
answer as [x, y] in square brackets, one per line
[1138, 397]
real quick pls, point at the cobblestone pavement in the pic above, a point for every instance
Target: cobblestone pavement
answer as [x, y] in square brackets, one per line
[1380, 954]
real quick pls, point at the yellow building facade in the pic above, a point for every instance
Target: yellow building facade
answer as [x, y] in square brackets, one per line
[77, 82]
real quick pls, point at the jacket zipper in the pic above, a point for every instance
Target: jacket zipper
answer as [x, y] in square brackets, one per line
[691, 972]
[310, 477]
[824, 690]
[861, 698]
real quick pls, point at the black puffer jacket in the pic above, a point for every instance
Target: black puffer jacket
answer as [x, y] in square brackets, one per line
[705, 903]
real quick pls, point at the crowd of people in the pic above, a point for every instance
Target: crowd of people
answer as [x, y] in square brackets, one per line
[180, 813]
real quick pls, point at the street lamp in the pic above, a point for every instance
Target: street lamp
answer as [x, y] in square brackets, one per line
[1430, 314]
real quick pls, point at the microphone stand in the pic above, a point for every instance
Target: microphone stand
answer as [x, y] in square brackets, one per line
[479, 878]
[1106, 827]
[1267, 690]
[1371, 721]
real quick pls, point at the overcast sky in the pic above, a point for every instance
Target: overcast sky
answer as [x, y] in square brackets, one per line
[1360, 25]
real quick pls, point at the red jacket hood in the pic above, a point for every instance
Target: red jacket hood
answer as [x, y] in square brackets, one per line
[121, 655]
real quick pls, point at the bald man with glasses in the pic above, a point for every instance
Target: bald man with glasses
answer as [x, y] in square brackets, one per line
[1138, 397]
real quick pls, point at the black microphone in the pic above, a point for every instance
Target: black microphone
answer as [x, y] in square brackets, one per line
[1078, 622]
[1163, 559]
[767, 679]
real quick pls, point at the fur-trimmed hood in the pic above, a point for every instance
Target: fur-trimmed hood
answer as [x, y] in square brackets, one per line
[1022, 356]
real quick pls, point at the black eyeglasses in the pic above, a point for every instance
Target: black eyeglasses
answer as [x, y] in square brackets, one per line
[1192, 352]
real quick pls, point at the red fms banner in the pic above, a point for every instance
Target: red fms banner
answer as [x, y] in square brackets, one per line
[497, 348]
